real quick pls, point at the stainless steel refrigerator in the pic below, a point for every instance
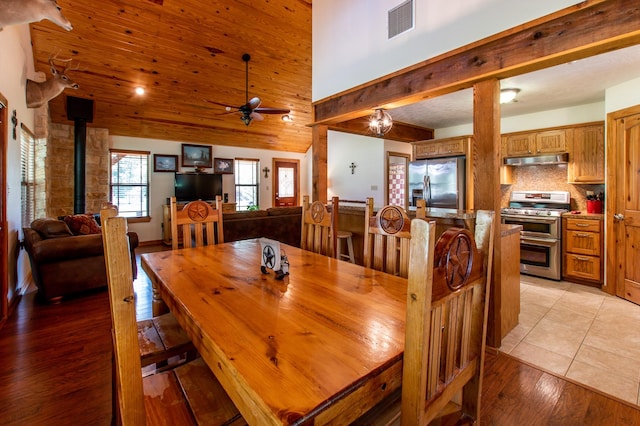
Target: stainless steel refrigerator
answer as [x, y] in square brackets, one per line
[440, 181]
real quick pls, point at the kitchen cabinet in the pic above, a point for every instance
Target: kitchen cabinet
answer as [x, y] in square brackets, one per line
[582, 249]
[586, 155]
[440, 147]
[506, 172]
[536, 143]
[508, 260]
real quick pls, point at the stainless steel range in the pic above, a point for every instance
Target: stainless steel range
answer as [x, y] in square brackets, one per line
[539, 214]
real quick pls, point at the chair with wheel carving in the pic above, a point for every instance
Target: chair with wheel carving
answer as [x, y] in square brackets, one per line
[187, 394]
[160, 338]
[196, 224]
[445, 328]
[319, 226]
[386, 239]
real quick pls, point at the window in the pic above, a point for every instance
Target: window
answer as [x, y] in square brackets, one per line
[28, 176]
[130, 182]
[247, 184]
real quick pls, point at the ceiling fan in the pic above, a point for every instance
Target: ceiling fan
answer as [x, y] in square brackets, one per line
[251, 110]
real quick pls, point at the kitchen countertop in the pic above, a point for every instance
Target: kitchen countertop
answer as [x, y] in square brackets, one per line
[506, 230]
[584, 215]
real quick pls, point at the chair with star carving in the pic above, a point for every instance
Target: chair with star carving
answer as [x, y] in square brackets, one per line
[387, 237]
[319, 226]
[199, 223]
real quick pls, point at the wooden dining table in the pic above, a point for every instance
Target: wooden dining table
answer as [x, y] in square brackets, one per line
[321, 346]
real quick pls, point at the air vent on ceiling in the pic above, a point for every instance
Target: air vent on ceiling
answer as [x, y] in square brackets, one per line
[401, 18]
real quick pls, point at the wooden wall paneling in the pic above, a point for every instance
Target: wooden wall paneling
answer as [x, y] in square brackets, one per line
[486, 171]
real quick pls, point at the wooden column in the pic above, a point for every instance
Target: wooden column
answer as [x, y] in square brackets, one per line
[486, 178]
[319, 166]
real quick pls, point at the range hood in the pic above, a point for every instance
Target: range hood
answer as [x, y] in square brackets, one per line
[537, 160]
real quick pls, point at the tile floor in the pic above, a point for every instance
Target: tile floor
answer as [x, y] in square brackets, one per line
[581, 333]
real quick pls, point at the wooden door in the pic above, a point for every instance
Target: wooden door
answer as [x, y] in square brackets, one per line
[623, 219]
[4, 258]
[286, 182]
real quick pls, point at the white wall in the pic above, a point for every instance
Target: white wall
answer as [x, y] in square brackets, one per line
[539, 120]
[369, 155]
[622, 96]
[162, 184]
[16, 64]
[350, 44]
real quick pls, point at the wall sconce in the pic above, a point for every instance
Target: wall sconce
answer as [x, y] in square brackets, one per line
[380, 122]
[353, 168]
[266, 171]
[508, 95]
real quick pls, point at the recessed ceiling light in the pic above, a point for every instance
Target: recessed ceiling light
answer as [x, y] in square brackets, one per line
[139, 90]
[287, 117]
[508, 95]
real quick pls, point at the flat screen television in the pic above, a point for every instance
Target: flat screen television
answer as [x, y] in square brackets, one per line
[197, 186]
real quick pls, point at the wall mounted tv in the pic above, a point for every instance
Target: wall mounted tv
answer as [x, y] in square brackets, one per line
[197, 186]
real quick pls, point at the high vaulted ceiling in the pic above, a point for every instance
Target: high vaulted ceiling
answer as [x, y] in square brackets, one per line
[185, 52]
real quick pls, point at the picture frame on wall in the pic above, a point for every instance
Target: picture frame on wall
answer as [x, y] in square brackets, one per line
[198, 156]
[223, 165]
[165, 163]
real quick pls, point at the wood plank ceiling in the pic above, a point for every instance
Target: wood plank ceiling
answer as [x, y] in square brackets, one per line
[184, 52]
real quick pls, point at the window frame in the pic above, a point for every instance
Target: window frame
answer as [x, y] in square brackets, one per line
[256, 184]
[27, 176]
[146, 186]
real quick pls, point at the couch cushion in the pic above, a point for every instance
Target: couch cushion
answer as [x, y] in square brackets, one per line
[82, 224]
[51, 228]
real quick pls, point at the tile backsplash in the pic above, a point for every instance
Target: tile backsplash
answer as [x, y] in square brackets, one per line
[548, 178]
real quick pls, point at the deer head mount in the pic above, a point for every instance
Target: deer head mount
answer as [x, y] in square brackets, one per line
[39, 94]
[25, 11]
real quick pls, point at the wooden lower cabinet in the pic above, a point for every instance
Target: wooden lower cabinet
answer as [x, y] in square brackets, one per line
[582, 249]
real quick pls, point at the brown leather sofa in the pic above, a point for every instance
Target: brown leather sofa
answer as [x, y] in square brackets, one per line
[278, 223]
[63, 264]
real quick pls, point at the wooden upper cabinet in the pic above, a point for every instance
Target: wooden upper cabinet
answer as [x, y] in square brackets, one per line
[586, 155]
[440, 147]
[536, 143]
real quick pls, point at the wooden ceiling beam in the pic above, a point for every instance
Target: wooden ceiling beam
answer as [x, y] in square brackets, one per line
[401, 132]
[586, 29]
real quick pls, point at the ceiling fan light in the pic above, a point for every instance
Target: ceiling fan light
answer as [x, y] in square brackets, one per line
[380, 122]
[508, 95]
[246, 119]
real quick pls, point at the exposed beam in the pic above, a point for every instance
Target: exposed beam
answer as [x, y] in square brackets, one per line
[586, 29]
[401, 132]
[319, 168]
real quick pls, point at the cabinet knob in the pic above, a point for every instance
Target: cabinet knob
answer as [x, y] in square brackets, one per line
[618, 216]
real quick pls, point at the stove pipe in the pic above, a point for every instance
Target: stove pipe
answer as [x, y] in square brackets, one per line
[81, 112]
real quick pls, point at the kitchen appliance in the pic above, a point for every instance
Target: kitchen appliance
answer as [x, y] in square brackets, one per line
[539, 213]
[439, 181]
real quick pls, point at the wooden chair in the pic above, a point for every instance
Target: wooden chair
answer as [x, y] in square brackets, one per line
[446, 324]
[199, 223]
[319, 226]
[421, 209]
[386, 239]
[188, 394]
[159, 338]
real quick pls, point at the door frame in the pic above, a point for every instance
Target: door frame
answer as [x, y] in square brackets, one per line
[4, 239]
[407, 158]
[614, 279]
[274, 176]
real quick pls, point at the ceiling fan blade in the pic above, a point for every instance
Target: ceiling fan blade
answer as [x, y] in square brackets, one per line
[254, 102]
[257, 116]
[221, 104]
[273, 110]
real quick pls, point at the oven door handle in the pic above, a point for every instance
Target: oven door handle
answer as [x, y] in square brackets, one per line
[543, 242]
[530, 219]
